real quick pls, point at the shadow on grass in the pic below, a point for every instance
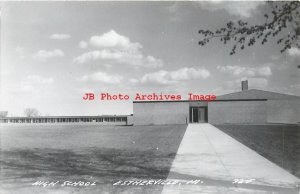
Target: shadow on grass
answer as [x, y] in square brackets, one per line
[106, 165]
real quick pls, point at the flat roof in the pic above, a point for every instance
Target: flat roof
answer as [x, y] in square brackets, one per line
[57, 117]
[154, 101]
[257, 94]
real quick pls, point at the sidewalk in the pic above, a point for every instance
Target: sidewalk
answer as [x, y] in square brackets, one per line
[208, 154]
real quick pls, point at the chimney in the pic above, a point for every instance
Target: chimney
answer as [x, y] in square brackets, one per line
[245, 85]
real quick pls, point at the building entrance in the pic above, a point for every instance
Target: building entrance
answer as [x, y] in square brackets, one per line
[198, 114]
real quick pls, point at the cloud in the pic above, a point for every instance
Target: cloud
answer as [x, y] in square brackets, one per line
[172, 77]
[43, 55]
[257, 82]
[32, 83]
[102, 77]
[133, 81]
[117, 48]
[240, 71]
[131, 58]
[82, 44]
[60, 36]
[275, 57]
[112, 39]
[39, 79]
[264, 71]
[237, 8]
[294, 52]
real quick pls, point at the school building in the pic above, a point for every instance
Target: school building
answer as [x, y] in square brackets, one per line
[247, 106]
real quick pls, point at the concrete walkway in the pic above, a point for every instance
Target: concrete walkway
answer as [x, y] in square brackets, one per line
[208, 154]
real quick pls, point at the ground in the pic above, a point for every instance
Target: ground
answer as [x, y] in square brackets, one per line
[104, 154]
[279, 143]
[107, 154]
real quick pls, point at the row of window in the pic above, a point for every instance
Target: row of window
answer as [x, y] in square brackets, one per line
[64, 120]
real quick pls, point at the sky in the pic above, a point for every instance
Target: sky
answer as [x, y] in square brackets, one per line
[52, 53]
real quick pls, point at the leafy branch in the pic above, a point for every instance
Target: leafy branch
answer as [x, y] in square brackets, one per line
[284, 16]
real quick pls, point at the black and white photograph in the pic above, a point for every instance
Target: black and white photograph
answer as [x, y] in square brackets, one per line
[150, 97]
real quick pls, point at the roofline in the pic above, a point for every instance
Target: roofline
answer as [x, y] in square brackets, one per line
[293, 95]
[155, 101]
[290, 95]
[57, 117]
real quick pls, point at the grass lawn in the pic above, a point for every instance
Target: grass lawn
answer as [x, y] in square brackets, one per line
[277, 142]
[104, 154]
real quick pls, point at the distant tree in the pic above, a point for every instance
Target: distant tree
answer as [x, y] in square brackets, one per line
[283, 22]
[3, 114]
[31, 112]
